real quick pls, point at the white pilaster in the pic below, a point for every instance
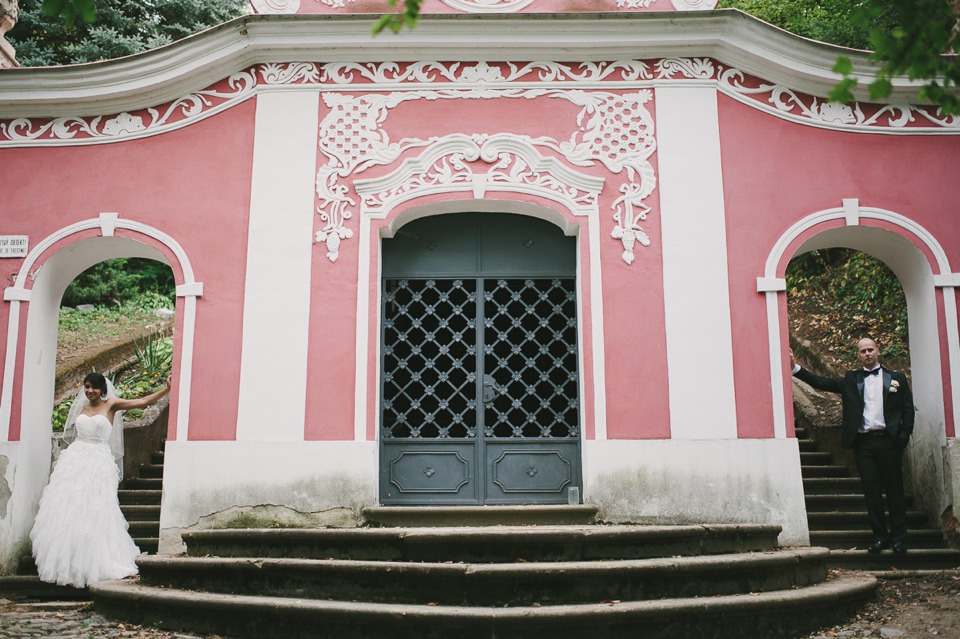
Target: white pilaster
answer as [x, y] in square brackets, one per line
[696, 291]
[276, 305]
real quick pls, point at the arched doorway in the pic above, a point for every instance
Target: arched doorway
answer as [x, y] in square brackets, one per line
[920, 264]
[479, 384]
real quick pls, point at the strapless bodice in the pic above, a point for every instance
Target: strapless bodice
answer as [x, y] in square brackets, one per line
[95, 427]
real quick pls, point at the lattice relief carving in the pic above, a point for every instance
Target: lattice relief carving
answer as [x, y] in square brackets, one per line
[614, 129]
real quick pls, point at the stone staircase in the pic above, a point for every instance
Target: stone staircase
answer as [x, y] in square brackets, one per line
[837, 517]
[562, 577]
[140, 499]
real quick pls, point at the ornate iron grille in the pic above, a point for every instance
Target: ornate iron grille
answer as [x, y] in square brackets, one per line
[429, 388]
[530, 359]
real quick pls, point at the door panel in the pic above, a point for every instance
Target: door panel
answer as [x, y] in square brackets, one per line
[479, 377]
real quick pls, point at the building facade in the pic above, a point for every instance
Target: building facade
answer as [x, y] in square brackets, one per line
[507, 257]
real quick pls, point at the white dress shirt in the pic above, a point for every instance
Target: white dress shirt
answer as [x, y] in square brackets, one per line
[873, 402]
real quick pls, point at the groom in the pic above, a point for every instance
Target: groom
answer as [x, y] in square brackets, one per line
[877, 424]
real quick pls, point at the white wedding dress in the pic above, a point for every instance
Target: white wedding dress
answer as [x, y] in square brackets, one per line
[80, 536]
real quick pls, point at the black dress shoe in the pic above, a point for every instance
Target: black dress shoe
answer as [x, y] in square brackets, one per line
[899, 547]
[878, 545]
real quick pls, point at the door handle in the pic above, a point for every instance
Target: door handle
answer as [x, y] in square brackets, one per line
[490, 389]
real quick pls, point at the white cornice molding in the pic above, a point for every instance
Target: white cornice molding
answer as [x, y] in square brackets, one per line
[165, 74]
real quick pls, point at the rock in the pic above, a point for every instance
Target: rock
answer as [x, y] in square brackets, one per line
[165, 313]
[891, 632]
[86, 307]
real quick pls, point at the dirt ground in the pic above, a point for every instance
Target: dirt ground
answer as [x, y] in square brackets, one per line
[74, 351]
[909, 607]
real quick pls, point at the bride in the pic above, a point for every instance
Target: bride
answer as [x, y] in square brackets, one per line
[80, 536]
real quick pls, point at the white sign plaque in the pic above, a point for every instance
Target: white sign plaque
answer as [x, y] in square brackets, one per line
[14, 245]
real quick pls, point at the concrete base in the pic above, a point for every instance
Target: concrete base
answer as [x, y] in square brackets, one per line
[698, 481]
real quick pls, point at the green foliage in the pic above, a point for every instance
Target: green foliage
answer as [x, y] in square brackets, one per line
[396, 21]
[70, 9]
[121, 281]
[849, 295]
[908, 38]
[60, 412]
[154, 356]
[823, 20]
[47, 32]
[924, 30]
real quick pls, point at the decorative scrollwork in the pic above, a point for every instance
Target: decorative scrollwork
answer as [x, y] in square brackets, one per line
[615, 130]
[125, 124]
[785, 101]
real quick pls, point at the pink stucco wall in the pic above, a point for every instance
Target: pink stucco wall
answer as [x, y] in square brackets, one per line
[776, 172]
[193, 184]
[378, 7]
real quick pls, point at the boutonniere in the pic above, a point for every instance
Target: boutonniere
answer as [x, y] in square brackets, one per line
[894, 385]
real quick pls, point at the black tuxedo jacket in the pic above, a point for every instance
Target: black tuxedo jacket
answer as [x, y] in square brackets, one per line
[898, 410]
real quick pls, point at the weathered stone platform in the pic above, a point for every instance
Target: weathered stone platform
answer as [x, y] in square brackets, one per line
[490, 581]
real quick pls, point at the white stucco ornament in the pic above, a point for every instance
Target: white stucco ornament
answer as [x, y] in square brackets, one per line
[694, 5]
[275, 6]
[615, 130]
[488, 6]
[123, 123]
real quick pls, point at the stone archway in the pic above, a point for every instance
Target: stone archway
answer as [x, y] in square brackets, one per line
[52, 265]
[921, 265]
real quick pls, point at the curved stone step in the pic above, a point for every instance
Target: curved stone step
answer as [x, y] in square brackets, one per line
[493, 544]
[446, 516]
[757, 615]
[858, 520]
[860, 539]
[850, 502]
[913, 559]
[546, 583]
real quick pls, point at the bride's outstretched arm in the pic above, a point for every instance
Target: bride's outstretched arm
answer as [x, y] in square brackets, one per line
[141, 402]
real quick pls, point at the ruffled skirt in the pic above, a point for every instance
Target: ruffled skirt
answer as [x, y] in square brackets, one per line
[80, 536]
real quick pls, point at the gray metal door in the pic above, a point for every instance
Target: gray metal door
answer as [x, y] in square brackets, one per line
[479, 370]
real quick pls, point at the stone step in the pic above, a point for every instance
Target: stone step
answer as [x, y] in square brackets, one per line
[151, 471]
[830, 470]
[807, 445]
[837, 502]
[757, 615]
[816, 459]
[156, 457]
[19, 587]
[141, 497]
[446, 516]
[147, 544]
[800, 432]
[858, 520]
[831, 485]
[913, 559]
[144, 528]
[495, 544]
[511, 584]
[140, 512]
[138, 483]
[860, 539]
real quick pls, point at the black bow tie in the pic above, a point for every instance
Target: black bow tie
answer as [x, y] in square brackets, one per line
[873, 372]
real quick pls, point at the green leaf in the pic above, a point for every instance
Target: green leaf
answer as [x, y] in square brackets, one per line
[843, 66]
[880, 89]
[843, 91]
